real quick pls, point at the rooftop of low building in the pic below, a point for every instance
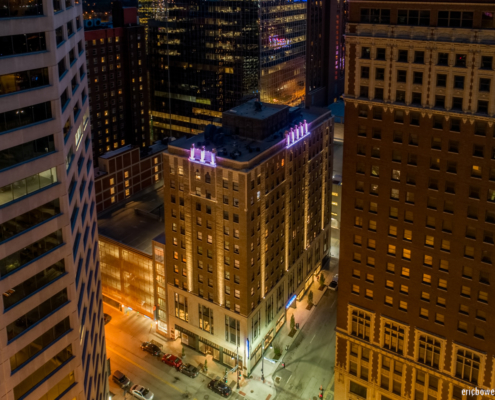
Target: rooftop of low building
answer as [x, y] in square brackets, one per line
[135, 223]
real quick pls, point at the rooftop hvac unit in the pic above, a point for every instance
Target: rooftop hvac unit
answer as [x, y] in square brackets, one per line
[88, 23]
[97, 22]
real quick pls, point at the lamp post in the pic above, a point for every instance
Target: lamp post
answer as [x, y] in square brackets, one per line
[262, 359]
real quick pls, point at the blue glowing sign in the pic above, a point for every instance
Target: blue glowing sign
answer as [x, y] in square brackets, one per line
[291, 300]
[247, 348]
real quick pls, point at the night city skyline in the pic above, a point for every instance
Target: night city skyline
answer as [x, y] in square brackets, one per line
[253, 200]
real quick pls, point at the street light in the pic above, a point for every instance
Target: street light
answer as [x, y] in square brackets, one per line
[262, 359]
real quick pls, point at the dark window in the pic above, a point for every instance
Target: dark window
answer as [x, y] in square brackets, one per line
[455, 19]
[31, 285]
[365, 72]
[482, 107]
[440, 101]
[403, 56]
[457, 103]
[366, 52]
[61, 67]
[38, 313]
[375, 16]
[419, 57]
[418, 78]
[26, 255]
[64, 99]
[416, 98]
[486, 62]
[363, 91]
[441, 80]
[459, 82]
[59, 34]
[443, 58]
[414, 17]
[455, 123]
[380, 53]
[485, 84]
[25, 116]
[379, 93]
[460, 60]
[487, 20]
[21, 8]
[20, 44]
[23, 80]
[400, 96]
[401, 76]
[380, 74]
[70, 29]
[26, 151]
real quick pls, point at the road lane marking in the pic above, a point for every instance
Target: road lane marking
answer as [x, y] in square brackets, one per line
[290, 377]
[333, 303]
[312, 339]
[148, 372]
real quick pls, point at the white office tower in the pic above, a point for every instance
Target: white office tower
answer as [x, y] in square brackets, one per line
[52, 342]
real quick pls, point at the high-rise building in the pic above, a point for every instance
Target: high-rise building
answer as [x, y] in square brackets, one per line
[247, 224]
[51, 330]
[118, 82]
[325, 51]
[418, 208]
[219, 55]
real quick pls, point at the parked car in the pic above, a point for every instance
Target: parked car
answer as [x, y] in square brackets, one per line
[172, 360]
[335, 283]
[220, 387]
[140, 392]
[189, 370]
[151, 348]
[120, 379]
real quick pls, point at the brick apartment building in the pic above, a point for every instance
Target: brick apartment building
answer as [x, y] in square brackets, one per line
[118, 81]
[247, 223]
[418, 212]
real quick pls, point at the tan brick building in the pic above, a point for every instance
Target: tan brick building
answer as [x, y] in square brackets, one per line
[247, 219]
[418, 217]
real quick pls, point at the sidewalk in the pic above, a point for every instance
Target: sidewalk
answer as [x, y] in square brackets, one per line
[282, 340]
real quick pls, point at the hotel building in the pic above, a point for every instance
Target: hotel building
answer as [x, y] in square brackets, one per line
[418, 211]
[52, 341]
[247, 225]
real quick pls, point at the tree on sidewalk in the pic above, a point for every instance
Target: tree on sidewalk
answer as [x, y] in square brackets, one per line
[292, 322]
[322, 279]
[183, 351]
[310, 297]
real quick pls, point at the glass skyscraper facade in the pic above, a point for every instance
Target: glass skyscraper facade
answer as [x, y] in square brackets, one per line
[283, 51]
[207, 57]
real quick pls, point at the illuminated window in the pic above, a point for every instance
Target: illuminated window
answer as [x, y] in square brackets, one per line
[127, 183]
[156, 177]
[112, 199]
[126, 174]
[127, 192]
[112, 190]
[427, 279]
[406, 254]
[112, 181]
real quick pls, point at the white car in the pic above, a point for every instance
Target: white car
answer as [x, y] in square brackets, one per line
[335, 283]
[140, 392]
